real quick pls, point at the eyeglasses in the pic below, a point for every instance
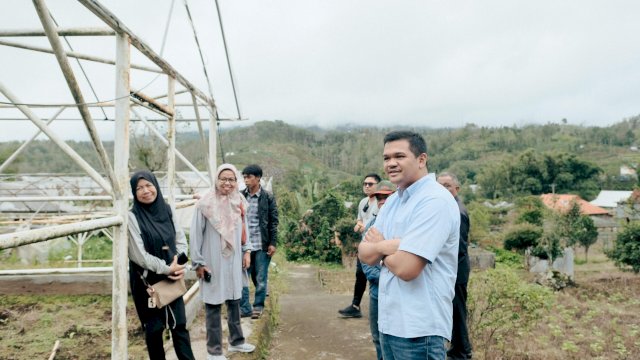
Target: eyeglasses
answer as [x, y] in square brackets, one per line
[145, 187]
[368, 184]
[227, 180]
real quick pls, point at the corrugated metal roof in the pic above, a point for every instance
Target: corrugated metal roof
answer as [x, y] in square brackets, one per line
[610, 198]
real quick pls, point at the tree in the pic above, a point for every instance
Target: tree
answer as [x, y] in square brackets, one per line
[626, 251]
[578, 229]
[531, 210]
[152, 154]
[522, 236]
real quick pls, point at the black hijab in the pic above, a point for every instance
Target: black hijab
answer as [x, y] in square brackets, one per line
[155, 220]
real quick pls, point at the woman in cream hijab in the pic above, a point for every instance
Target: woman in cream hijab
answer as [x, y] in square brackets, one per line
[217, 250]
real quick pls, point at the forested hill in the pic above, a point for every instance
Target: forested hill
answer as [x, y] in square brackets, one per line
[519, 159]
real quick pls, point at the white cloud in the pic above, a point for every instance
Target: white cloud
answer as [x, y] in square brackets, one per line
[326, 63]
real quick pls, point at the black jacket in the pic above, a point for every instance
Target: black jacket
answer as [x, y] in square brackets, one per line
[267, 217]
[464, 267]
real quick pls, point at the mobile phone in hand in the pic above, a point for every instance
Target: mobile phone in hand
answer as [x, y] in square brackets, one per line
[207, 276]
[182, 259]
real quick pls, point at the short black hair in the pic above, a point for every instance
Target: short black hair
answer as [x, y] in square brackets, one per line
[252, 169]
[417, 145]
[373, 175]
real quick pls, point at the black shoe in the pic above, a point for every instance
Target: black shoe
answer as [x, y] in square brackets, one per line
[244, 315]
[350, 312]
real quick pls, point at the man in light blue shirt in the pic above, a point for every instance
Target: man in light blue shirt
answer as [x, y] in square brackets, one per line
[416, 238]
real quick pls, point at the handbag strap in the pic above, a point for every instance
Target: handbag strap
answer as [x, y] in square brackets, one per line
[143, 276]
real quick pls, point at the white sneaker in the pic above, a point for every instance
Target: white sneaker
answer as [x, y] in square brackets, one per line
[245, 348]
[216, 357]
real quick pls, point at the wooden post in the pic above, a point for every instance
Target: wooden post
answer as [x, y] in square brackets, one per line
[121, 201]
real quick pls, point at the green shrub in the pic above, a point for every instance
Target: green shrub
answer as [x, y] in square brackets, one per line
[313, 237]
[501, 303]
[508, 258]
[522, 236]
[626, 251]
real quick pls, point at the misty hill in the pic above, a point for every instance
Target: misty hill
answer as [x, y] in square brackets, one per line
[290, 153]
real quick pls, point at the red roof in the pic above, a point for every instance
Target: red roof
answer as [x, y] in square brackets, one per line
[562, 203]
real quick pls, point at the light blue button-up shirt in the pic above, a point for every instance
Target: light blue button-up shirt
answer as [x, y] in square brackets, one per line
[426, 219]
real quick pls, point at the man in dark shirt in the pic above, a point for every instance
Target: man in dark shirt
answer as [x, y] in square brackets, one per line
[460, 344]
[262, 218]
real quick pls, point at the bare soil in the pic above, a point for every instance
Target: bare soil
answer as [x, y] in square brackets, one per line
[310, 326]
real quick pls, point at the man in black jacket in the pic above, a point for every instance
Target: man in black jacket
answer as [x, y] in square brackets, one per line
[262, 220]
[460, 344]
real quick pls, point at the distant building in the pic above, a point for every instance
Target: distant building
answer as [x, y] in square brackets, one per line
[609, 199]
[605, 223]
[562, 203]
[628, 171]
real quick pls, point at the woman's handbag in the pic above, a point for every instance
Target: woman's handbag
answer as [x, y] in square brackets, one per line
[164, 292]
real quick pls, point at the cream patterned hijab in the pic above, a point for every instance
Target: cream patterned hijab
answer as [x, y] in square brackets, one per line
[223, 211]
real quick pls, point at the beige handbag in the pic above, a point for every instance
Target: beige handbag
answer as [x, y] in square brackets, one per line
[165, 292]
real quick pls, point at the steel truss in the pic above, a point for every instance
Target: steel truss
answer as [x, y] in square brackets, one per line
[115, 183]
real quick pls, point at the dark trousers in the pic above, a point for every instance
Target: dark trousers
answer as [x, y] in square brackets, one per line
[181, 343]
[460, 344]
[214, 326]
[361, 284]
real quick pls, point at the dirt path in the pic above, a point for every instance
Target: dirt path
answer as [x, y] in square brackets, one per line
[310, 327]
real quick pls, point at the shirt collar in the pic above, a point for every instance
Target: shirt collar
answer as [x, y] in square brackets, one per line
[416, 186]
[257, 194]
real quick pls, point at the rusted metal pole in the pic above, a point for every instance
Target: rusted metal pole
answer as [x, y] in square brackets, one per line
[115, 23]
[161, 137]
[56, 45]
[171, 137]
[19, 150]
[83, 31]
[168, 110]
[20, 238]
[77, 55]
[56, 139]
[121, 200]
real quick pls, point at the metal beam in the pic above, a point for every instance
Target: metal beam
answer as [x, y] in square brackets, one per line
[121, 200]
[56, 45]
[213, 149]
[160, 137]
[56, 139]
[171, 137]
[80, 31]
[15, 199]
[76, 55]
[20, 238]
[168, 110]
[24, 145]
[116, 24]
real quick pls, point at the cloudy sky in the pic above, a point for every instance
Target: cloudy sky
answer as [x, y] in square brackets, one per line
[335, 62]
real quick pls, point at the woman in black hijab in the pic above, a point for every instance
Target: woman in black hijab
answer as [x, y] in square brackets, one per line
[154, 243]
